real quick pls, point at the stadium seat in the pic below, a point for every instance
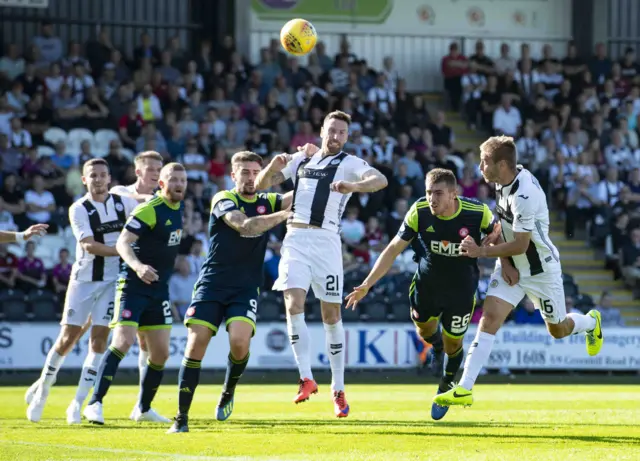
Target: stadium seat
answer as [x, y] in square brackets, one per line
[76, 136]
[270, 310]
[45, 151]
[102, 139]
[127, 153]
[54, 135]
[13, 306]
[376, 309]
[399, 307]
[313, 312]
[350, 315]
[43, 305]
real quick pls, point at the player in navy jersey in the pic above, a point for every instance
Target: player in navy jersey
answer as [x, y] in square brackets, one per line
[148, 245]
[444, 287]
[229, 282]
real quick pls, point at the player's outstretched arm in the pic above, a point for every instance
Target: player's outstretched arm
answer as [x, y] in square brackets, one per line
[36, 229]
[518, 246]
[146, 273]
[256, 225]
[380, 268]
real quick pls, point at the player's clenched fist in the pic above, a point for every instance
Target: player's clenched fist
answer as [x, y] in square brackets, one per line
[309, 149]
[469, 248]
[344, 187]
[147, 274]
[279, 162]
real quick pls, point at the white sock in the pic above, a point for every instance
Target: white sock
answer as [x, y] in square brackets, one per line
[143, 357]
[335, 348]
[476, 358]
[51, 367]
[88, 375]
[582, 323]
[299, 338]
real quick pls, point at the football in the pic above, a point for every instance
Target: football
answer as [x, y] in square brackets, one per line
[298, 37]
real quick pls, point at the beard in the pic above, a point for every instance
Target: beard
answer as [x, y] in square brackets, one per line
[334, 147]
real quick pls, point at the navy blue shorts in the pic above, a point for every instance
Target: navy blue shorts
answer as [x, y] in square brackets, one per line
[209, 307]
[145, 310]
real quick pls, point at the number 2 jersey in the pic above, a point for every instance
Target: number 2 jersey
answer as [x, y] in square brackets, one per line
[522, 207]
[436, 242]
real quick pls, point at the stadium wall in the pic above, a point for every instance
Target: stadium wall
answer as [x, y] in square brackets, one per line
[24, 346]
[417, 34]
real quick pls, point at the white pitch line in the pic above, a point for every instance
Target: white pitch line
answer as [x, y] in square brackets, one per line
[173, 456]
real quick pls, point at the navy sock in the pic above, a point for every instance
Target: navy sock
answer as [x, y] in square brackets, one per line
[106, 373]
[235, 368]
[451, 369]
[188, 379]
[150, 384]
[436, 342]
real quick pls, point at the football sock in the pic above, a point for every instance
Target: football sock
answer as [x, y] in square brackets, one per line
[88, 375]
[451, 368]
[51, 366]
[106, 373]
[299, 338]
[235, 368]
[476, 358]
[582, 323]
[143, 358]
[150, 384]
[436, 342]
[188, 379]
[335, 339]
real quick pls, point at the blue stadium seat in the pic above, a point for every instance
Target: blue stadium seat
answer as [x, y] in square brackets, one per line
[13, 306]
[376, 309]
[43, 305]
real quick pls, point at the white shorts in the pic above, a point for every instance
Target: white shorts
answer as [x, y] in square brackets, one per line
[312, 258]
[546, 292]
[86, 299]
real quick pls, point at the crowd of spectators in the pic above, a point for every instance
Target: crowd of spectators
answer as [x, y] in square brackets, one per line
[200, 108]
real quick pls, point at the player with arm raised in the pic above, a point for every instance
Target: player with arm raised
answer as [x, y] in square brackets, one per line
[312, 250]
[444, 287]
[21, 237]
[149, 246]
[96, 221]
[147, 166]
[229, 282]
[524, 215]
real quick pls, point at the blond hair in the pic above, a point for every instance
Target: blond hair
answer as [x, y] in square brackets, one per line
[501, 148]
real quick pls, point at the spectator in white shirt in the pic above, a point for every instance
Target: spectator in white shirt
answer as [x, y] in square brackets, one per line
[381, 98]
[181, 286]
[194, 162]
[391, 75]
[340, 75]
[617, 154]
[473, 84]
[352, 229]
[80, 81]
[40, 202]
[54, 81]
[383, 148]
[571, 149]
[507, 119]
[610, 187]
[20, 138]
[504, 63]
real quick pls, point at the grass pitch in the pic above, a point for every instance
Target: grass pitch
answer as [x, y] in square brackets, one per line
[387, 422]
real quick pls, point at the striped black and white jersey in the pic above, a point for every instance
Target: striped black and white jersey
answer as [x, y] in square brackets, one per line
[103, 222]
[313, 201]
[522, 207]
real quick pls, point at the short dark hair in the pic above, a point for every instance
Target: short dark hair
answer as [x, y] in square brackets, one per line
[442, 175]
[338, 115]
[501, 148]
[245, 156]
[94, 162]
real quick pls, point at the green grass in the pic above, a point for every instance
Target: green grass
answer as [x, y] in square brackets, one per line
[387, 422]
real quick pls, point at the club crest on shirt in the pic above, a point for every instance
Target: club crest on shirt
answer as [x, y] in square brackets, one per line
[463, 232]
[494, 283]
[119, 206]
[261, 209]
[335, 162]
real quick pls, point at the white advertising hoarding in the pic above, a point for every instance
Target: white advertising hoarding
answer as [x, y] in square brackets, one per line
[24, 346]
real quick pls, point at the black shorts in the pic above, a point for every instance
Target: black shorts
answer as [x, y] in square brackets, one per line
[145, 309]
[454, 307]
[209, 306]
